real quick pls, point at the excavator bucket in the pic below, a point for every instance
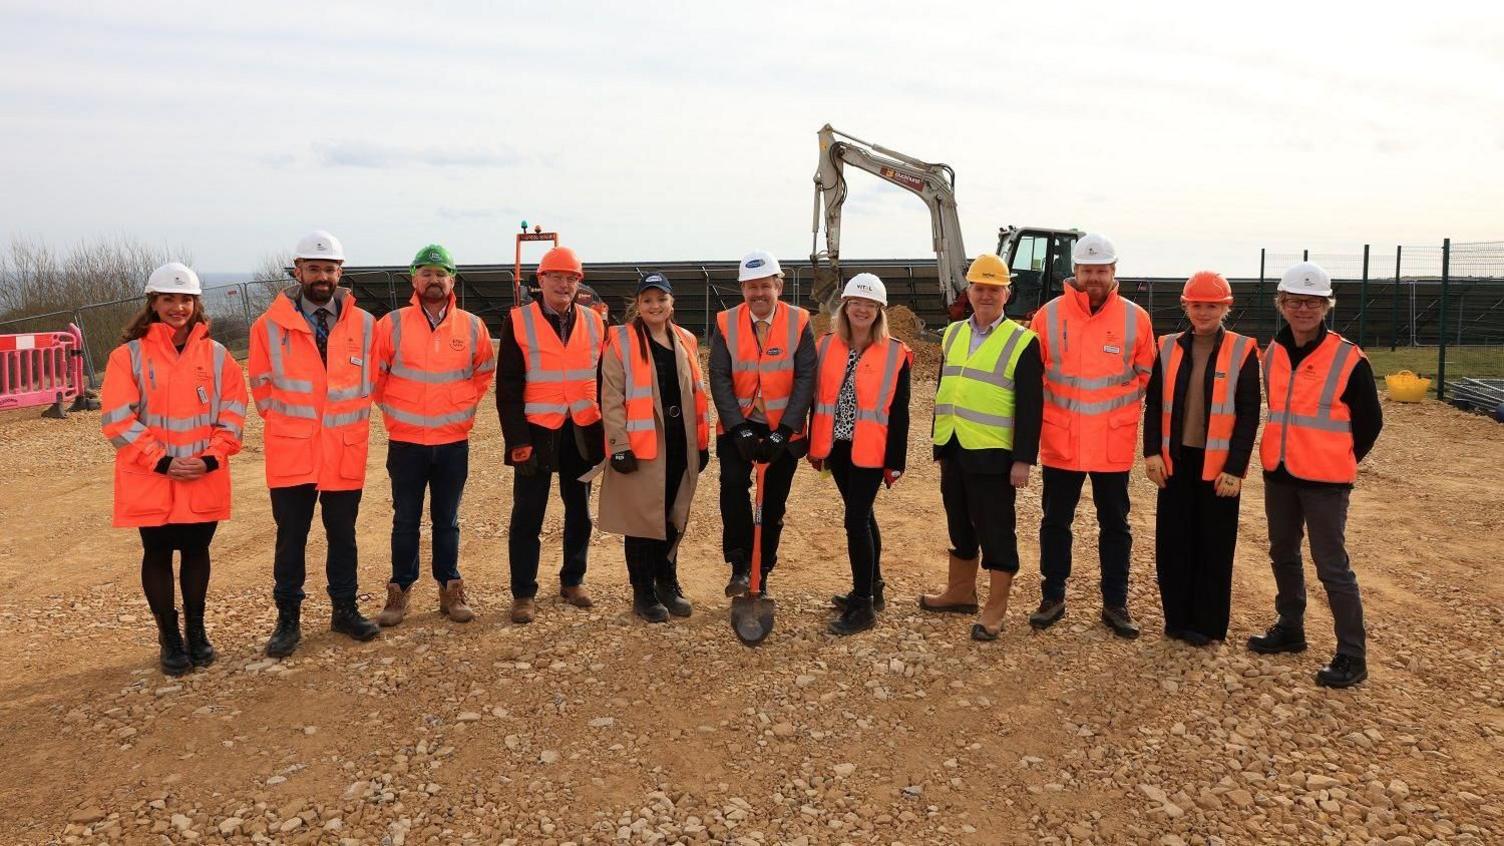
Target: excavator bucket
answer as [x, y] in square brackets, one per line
[826, 288]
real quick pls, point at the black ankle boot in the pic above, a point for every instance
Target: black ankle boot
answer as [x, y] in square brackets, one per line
[666, 587]
[645, 602]
[878, 602]
[173, 658]
[285, 639]
[347, 620]
[200, 650]
[857, 617]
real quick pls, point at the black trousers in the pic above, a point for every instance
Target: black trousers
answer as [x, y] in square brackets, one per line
[650, 557]
[440, 472]
[530, 495]
[1062, 492]
[1195, 536]
[979, 514]
[1321, 512]
[736, 503]
[292, 509]
[864, 543]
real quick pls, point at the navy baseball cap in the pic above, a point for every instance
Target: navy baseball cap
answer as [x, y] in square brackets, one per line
[655, 280]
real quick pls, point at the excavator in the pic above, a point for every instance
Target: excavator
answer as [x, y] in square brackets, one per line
[1040, 258]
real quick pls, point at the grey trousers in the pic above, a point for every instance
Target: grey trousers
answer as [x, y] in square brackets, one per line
[1322, 511]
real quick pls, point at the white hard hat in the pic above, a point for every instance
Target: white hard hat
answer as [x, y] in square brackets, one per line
[319, 244]
[1094, 249]
[1307, 279]
[758, 264]
[174, 278]
[868, 287]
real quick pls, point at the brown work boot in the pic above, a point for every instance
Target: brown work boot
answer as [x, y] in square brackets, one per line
[989, 623]
[960, 594]
[452, 602]
[523, 610]
[396, 605]
[576, 595]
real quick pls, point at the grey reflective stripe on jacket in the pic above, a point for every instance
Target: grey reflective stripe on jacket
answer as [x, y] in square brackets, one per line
[1323, 419]
[145, 419]
[739, 320]
[998, 375]
[889, 383]
[536, 372]
[434, 377]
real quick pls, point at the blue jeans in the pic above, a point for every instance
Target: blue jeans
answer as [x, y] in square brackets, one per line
[440, 470]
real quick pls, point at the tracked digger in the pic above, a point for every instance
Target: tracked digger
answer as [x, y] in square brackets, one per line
[1040, 258]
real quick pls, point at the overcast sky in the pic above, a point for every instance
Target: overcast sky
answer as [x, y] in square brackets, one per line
[651, 131]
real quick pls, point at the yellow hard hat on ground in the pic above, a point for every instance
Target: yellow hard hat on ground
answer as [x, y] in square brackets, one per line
[988, 269]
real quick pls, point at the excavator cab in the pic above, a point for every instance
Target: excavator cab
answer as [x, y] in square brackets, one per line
[1041, 262]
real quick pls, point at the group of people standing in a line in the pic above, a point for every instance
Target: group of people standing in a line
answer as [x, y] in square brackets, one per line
[579, 399]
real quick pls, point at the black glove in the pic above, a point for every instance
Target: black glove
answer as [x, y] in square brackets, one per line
[624, 462]
[746, 442]
[704, 460]
[775, 445]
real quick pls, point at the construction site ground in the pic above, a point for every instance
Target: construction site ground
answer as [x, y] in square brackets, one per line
[591, 726]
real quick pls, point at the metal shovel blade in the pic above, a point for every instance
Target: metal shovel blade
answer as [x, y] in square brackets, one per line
[752, 618]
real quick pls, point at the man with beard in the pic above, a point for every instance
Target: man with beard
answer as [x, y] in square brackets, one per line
[311, 374]
[434, 363]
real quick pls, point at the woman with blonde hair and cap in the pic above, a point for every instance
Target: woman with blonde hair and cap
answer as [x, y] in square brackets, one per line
[173, 406]
[1201, 417]
[657, 422]
[859, 430]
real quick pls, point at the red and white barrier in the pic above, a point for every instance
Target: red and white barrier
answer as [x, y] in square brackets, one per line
[41, 368]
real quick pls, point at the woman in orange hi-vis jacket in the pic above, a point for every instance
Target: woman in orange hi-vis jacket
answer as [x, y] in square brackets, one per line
[173, 406]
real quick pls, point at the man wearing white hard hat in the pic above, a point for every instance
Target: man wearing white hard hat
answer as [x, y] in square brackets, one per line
[1324, 417]
[762, 378]
[311, 374]
[1098, 351]
[859, 430]
[986, 437]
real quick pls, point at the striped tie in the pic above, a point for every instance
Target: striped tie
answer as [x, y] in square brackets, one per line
[321, 333]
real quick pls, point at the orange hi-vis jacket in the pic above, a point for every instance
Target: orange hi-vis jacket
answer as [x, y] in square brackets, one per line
[639, 372]
[763, 372]
[876, 379]
[1232, 354]
[158, 402]
[1096, 367]
[430, 379]
[318, 416]
[561, 378]
[1309, 429]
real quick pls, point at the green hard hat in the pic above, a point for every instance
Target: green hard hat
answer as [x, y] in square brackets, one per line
[434, 255]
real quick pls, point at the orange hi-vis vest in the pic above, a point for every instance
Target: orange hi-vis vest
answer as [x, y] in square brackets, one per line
[763, 373]
[1232, 354]
[1309, 429]
[876, 379]
[318, 415]
[430, 379]
[158, 402]
[1096, 367]
[639, 372]
[561, 378]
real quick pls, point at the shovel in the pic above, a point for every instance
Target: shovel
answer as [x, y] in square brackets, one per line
[752, 614]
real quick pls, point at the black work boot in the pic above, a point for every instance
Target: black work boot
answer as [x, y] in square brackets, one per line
[200, 650]
[741, 580]
[347, 620]
[666, 586]
[1120, 621]
[1281, 637]
[1343, 671]
[173, 658]
[288, 632]
[645, 602]
[1048, 614]
[857, 616]
[878, 602]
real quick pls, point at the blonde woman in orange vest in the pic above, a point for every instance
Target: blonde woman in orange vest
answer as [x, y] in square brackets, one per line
[1324, 417]
[1201, 417]
[657, 424]
[174, 408]
[859, 429]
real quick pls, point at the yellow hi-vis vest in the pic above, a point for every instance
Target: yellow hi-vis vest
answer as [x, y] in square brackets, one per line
[975, 400]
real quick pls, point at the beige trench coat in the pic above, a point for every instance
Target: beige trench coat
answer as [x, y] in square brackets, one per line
[632, 504]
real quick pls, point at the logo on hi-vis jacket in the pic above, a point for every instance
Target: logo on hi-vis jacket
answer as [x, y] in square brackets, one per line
[456, 344]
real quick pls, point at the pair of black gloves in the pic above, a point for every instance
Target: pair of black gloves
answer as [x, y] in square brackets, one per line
[765, 450]
[626, 462]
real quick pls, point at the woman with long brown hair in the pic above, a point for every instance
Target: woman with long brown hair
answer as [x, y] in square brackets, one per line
[173, 406]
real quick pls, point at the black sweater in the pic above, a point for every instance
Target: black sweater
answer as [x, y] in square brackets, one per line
[1361, 397]
[1245, 402]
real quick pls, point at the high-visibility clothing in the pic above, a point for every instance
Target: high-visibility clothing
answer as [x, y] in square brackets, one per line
[637, 382]
[1309, 428]
[430, 379]
[763, 376]
[1232, 354]
[975, 401]
[561, 378]
[1095, 369]
[318, 414]
[875, 378]
[158, 402]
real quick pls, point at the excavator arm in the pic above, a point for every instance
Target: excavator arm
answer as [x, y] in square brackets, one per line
[934, 183]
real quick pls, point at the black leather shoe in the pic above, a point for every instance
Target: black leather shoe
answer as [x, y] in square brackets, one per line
[878, 602]
[672, 596]
[200, 650]
[740, 584]
[1279, 638]
[289, 631]
[1194, 637]
[173, 657]
[857, 617]
[1049, 613]
[1343, 671]
[1121, 622]
[347, 620]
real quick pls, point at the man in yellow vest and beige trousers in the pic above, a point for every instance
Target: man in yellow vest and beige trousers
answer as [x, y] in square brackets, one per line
[988, 411]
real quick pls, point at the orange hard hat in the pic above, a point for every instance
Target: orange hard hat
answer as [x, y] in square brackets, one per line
[561, 260]
[1207, 286]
